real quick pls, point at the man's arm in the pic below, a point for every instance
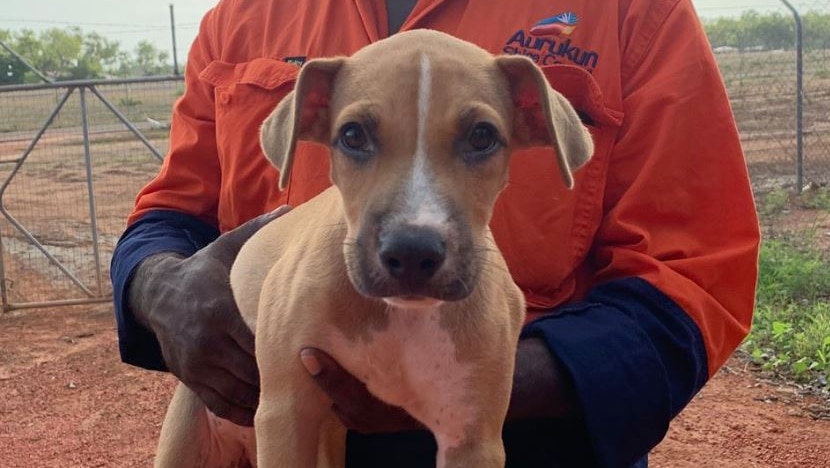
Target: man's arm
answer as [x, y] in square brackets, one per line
[170, 271]
[676, 251]
[176, 211]
[184, 318]
[155, 236]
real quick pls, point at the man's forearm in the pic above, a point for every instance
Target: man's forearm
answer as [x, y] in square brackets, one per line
[156, 233]
[635, 359]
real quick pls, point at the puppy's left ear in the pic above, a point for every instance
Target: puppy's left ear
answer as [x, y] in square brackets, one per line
[303, 114]
[543, 117]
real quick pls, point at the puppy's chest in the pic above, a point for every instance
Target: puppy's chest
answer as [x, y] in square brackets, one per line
[411, 362]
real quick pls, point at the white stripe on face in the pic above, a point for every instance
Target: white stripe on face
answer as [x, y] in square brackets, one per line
[423, 207]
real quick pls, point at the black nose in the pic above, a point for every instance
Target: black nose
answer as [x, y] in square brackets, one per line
[412, 255]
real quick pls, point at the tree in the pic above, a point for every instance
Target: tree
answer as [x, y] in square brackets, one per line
[59, 52]
[26, 44]
[71, 54]
[817, 31]
[98, 57]
[149, 60]
[11, 69]
[769, 31]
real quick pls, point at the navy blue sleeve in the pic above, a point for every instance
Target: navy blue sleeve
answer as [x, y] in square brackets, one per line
[636, 359]
[156, 232]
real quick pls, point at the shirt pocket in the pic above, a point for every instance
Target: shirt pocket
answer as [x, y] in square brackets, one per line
[245, 94]
[544, 229]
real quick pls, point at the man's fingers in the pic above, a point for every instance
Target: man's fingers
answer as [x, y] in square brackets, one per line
[242, 335]
[229, 243]
[232, 390]
[245, 231]
[349, 396]
[223, 408]
[240, 363]
[342, 387]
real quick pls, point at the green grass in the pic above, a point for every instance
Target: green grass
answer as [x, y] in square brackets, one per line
[816, 199]
[773, 203]
[791, 330]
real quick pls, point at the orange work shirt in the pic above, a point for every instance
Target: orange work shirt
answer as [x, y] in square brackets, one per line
[666, 196]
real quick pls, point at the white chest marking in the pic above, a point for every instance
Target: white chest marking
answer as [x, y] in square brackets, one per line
[413, 364]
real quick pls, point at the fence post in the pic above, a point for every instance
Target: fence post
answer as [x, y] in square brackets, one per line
[90, 185]
[4, 297]
[173, 33]
[799, 102]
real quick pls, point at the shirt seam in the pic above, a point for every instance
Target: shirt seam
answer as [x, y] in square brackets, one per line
[643, 46]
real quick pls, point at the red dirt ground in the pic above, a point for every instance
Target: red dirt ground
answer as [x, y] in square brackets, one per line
[67, 401]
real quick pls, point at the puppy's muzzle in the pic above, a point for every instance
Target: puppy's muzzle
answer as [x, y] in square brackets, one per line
[393, 260]
[412, 255]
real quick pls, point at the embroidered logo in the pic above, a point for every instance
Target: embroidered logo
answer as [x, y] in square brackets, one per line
[548, 42]
[562, 24]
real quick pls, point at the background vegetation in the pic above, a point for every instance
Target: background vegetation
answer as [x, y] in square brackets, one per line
[71, 53]
[771, 31]
[791, 329]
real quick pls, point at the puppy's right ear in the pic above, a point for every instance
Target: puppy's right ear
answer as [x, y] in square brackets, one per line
[303, 114]
[543, 117]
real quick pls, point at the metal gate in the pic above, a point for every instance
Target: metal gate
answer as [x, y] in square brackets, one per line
[72, 157]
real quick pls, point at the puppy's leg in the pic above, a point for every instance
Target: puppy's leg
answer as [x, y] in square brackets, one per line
[486, 453]
[474, 438]
[185, 432]
[290, 417]
[192, 437]
[331, 453]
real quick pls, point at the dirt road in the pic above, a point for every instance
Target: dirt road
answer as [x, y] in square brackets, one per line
[66, 401]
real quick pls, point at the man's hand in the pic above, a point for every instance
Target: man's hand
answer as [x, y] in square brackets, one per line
[541, 390]
[188, 304]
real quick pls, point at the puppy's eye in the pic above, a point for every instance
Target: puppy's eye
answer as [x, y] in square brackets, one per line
[483, 138]
[482, 141]
[353, 137]
[354, 142]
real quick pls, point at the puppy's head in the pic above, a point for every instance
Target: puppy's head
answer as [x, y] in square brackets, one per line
[421, 127]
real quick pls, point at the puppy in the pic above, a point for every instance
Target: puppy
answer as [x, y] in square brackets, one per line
[393, 271]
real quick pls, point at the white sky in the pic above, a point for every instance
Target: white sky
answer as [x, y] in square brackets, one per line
[129, 21]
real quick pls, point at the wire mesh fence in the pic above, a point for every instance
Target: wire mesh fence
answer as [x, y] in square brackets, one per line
[66, 187]
[761, 76]
[70, 169]
[756, 51]
[817, 96]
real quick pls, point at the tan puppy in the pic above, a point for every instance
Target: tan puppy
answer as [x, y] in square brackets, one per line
[393, 271]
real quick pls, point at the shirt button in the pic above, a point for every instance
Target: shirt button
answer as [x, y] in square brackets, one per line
[225, 98]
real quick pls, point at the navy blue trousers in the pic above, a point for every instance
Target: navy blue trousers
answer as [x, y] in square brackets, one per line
[530, 444]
